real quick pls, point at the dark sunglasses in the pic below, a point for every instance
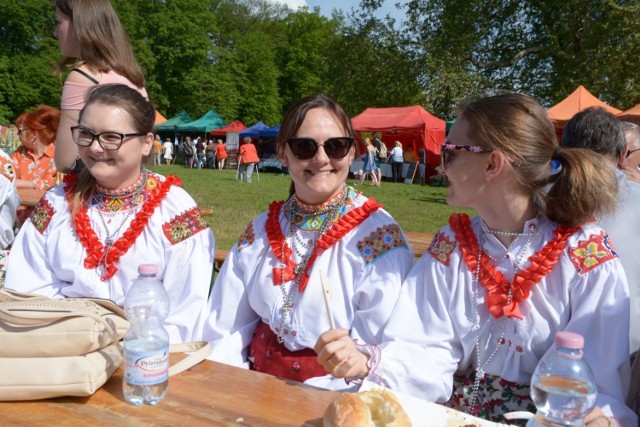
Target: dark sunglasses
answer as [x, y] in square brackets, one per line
[306, 148]
[447, 151]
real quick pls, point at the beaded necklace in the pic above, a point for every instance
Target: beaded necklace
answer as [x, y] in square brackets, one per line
[297, 214]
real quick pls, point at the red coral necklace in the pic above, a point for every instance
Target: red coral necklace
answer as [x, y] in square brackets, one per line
[106, 257]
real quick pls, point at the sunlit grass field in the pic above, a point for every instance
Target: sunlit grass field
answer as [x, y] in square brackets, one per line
[416, 207]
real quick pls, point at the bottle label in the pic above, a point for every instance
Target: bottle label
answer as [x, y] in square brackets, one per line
[146, 367]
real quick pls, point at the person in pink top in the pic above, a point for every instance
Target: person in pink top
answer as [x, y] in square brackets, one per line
[90, 32]
[248, 158]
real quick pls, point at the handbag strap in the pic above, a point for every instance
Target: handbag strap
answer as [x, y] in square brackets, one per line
[200, 350]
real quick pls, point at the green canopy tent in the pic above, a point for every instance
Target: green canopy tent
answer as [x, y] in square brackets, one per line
[170, 125]
[205, 124]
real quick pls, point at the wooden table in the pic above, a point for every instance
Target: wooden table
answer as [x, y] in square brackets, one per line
[210, 394]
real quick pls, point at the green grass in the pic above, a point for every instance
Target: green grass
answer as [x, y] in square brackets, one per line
[234, 204]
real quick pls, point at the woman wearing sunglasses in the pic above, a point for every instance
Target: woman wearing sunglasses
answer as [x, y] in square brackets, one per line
[483, 304]
[267, 304]
[87, 236]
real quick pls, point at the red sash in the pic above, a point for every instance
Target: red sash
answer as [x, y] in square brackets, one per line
[271, 357]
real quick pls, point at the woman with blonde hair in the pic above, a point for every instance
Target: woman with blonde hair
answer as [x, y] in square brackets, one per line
[97, 48]
[397, 161]
[370, 167]
[481, 307]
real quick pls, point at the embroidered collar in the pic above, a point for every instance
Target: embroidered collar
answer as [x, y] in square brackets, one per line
[310, 218]
[283, 252]
[498, 288]
[96, 255]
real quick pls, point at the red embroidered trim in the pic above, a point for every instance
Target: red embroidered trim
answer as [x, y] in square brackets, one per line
[441, 248]
[89, 239]
[588, 254]
[183, 226]
[493, 281]
[41, 215]
[277, 240]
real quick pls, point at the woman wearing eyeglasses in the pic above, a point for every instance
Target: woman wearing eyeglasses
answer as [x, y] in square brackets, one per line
[483, 304]
[267, 305]
[87, 236]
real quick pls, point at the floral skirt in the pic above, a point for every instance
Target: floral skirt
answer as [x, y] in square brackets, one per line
[495, 397]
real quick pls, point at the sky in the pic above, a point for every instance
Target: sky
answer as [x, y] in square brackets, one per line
[326, 6]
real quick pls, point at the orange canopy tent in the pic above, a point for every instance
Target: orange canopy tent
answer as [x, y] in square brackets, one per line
[631, 115]
[579, 100]
[413, 126]
[159, 118]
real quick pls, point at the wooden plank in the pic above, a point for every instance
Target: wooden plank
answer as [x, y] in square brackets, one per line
[411, 173]
[208, 394]
[419, 241]
[30, 196]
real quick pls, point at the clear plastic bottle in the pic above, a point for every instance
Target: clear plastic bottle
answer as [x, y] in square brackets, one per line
[146, 343]
[563, 387]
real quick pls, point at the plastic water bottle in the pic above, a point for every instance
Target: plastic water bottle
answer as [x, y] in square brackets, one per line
[146, 343]
[563, 387]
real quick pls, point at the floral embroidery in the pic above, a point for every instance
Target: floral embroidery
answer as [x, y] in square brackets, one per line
[589, 254]
[382, 240]
[497, 396]
[246, 238]
[42, 214]
[441, 248]
[184, 225]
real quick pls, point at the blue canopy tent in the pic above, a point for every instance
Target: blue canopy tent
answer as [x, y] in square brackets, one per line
[253, 131]
[269, 133]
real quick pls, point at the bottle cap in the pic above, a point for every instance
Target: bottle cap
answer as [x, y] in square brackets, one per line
[569, 340]
[147, 269]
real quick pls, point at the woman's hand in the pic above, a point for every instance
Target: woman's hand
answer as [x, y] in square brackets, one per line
[339, 356]
[597, 418]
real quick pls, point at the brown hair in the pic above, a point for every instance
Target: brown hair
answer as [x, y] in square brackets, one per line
[104, 45]
[44, 121]
[296, 114]
[141, 114]
[582, 186]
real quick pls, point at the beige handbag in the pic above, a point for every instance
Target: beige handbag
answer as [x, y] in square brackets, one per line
[65, 347]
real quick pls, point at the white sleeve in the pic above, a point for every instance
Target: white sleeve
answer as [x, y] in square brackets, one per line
[28, 268]
[187, 278]
[600, 313]
[9, 202]
[420, 350]
[230, 326]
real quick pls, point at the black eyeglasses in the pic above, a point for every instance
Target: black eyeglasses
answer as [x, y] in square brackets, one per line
[630, 152]
[306, 148]
[107, 140]
[20, 130]
[447, 150]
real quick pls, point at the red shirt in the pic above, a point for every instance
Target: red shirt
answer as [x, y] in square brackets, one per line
[248, 154]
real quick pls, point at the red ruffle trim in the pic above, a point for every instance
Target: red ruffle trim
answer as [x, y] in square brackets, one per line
[493, 281]
[283, 252]
[89, 239]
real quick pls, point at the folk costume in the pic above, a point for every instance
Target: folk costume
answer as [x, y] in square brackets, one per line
[267, 306]
[471, 333]
[96, 251]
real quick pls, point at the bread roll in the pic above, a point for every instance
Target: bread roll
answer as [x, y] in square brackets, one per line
[367, 409]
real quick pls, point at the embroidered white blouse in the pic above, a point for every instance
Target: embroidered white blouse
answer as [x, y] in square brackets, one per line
[47, 257]
[431, 333]
[365, 269]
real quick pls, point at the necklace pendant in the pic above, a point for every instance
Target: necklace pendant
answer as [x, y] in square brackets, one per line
[108, 242]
